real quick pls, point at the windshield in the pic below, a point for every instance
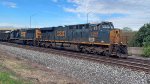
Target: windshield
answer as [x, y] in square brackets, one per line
[107, 26]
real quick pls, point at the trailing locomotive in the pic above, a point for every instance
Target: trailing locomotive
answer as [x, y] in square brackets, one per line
[101, 38]
[4, 35]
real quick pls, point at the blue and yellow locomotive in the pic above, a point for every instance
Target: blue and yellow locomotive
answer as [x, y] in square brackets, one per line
[101, 38]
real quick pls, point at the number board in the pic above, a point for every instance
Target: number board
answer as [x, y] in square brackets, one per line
[60, 33]
[94, 34]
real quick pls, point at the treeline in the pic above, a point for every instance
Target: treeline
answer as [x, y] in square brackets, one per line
[142, 39]
[127, 35]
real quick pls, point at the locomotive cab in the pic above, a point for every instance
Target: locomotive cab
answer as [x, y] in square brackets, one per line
[104, 31]
[111, 36]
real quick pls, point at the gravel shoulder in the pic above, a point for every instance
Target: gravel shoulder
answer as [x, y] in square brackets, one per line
[31, 72]
[86, 71]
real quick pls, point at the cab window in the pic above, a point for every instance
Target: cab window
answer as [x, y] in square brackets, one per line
[106, 26]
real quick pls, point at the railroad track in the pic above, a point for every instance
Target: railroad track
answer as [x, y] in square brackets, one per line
[133, 64]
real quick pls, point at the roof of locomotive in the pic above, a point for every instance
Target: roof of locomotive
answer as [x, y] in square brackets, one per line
[47, 28]
[104, 22]
[5, 31]
[87, 24]
[51, 28]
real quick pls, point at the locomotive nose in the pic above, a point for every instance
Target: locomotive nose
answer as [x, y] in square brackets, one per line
[115, 36]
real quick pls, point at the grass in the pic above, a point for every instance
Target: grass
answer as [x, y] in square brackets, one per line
[10, 78]
[7, 78]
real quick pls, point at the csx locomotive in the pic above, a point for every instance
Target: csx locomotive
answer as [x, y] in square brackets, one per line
[101, 38]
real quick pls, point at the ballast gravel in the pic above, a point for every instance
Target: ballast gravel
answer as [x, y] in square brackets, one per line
[84, 70]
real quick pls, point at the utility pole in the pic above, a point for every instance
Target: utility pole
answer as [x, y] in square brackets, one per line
[31, 19]
[88, 17]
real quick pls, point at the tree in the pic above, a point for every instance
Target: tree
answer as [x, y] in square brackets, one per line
[127, 29]
[141, 36]
[142, 39]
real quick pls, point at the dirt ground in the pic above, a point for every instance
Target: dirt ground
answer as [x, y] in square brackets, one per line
[33, 72]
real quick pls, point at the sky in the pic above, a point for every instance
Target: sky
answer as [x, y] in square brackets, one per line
[45, 13]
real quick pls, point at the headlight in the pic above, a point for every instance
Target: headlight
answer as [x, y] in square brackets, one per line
[102, 41]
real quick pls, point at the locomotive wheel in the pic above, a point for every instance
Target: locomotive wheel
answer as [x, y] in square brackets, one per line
[50, 46]
[84, 51]
[120, 55]
[122, 52]
[106, 53]
[95, 53]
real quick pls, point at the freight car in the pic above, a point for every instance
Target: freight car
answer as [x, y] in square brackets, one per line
[101, 38]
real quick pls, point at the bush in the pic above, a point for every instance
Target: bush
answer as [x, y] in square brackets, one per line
[146, 51]
[147, 46]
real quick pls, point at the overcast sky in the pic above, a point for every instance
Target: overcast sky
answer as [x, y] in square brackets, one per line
[123, 13]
